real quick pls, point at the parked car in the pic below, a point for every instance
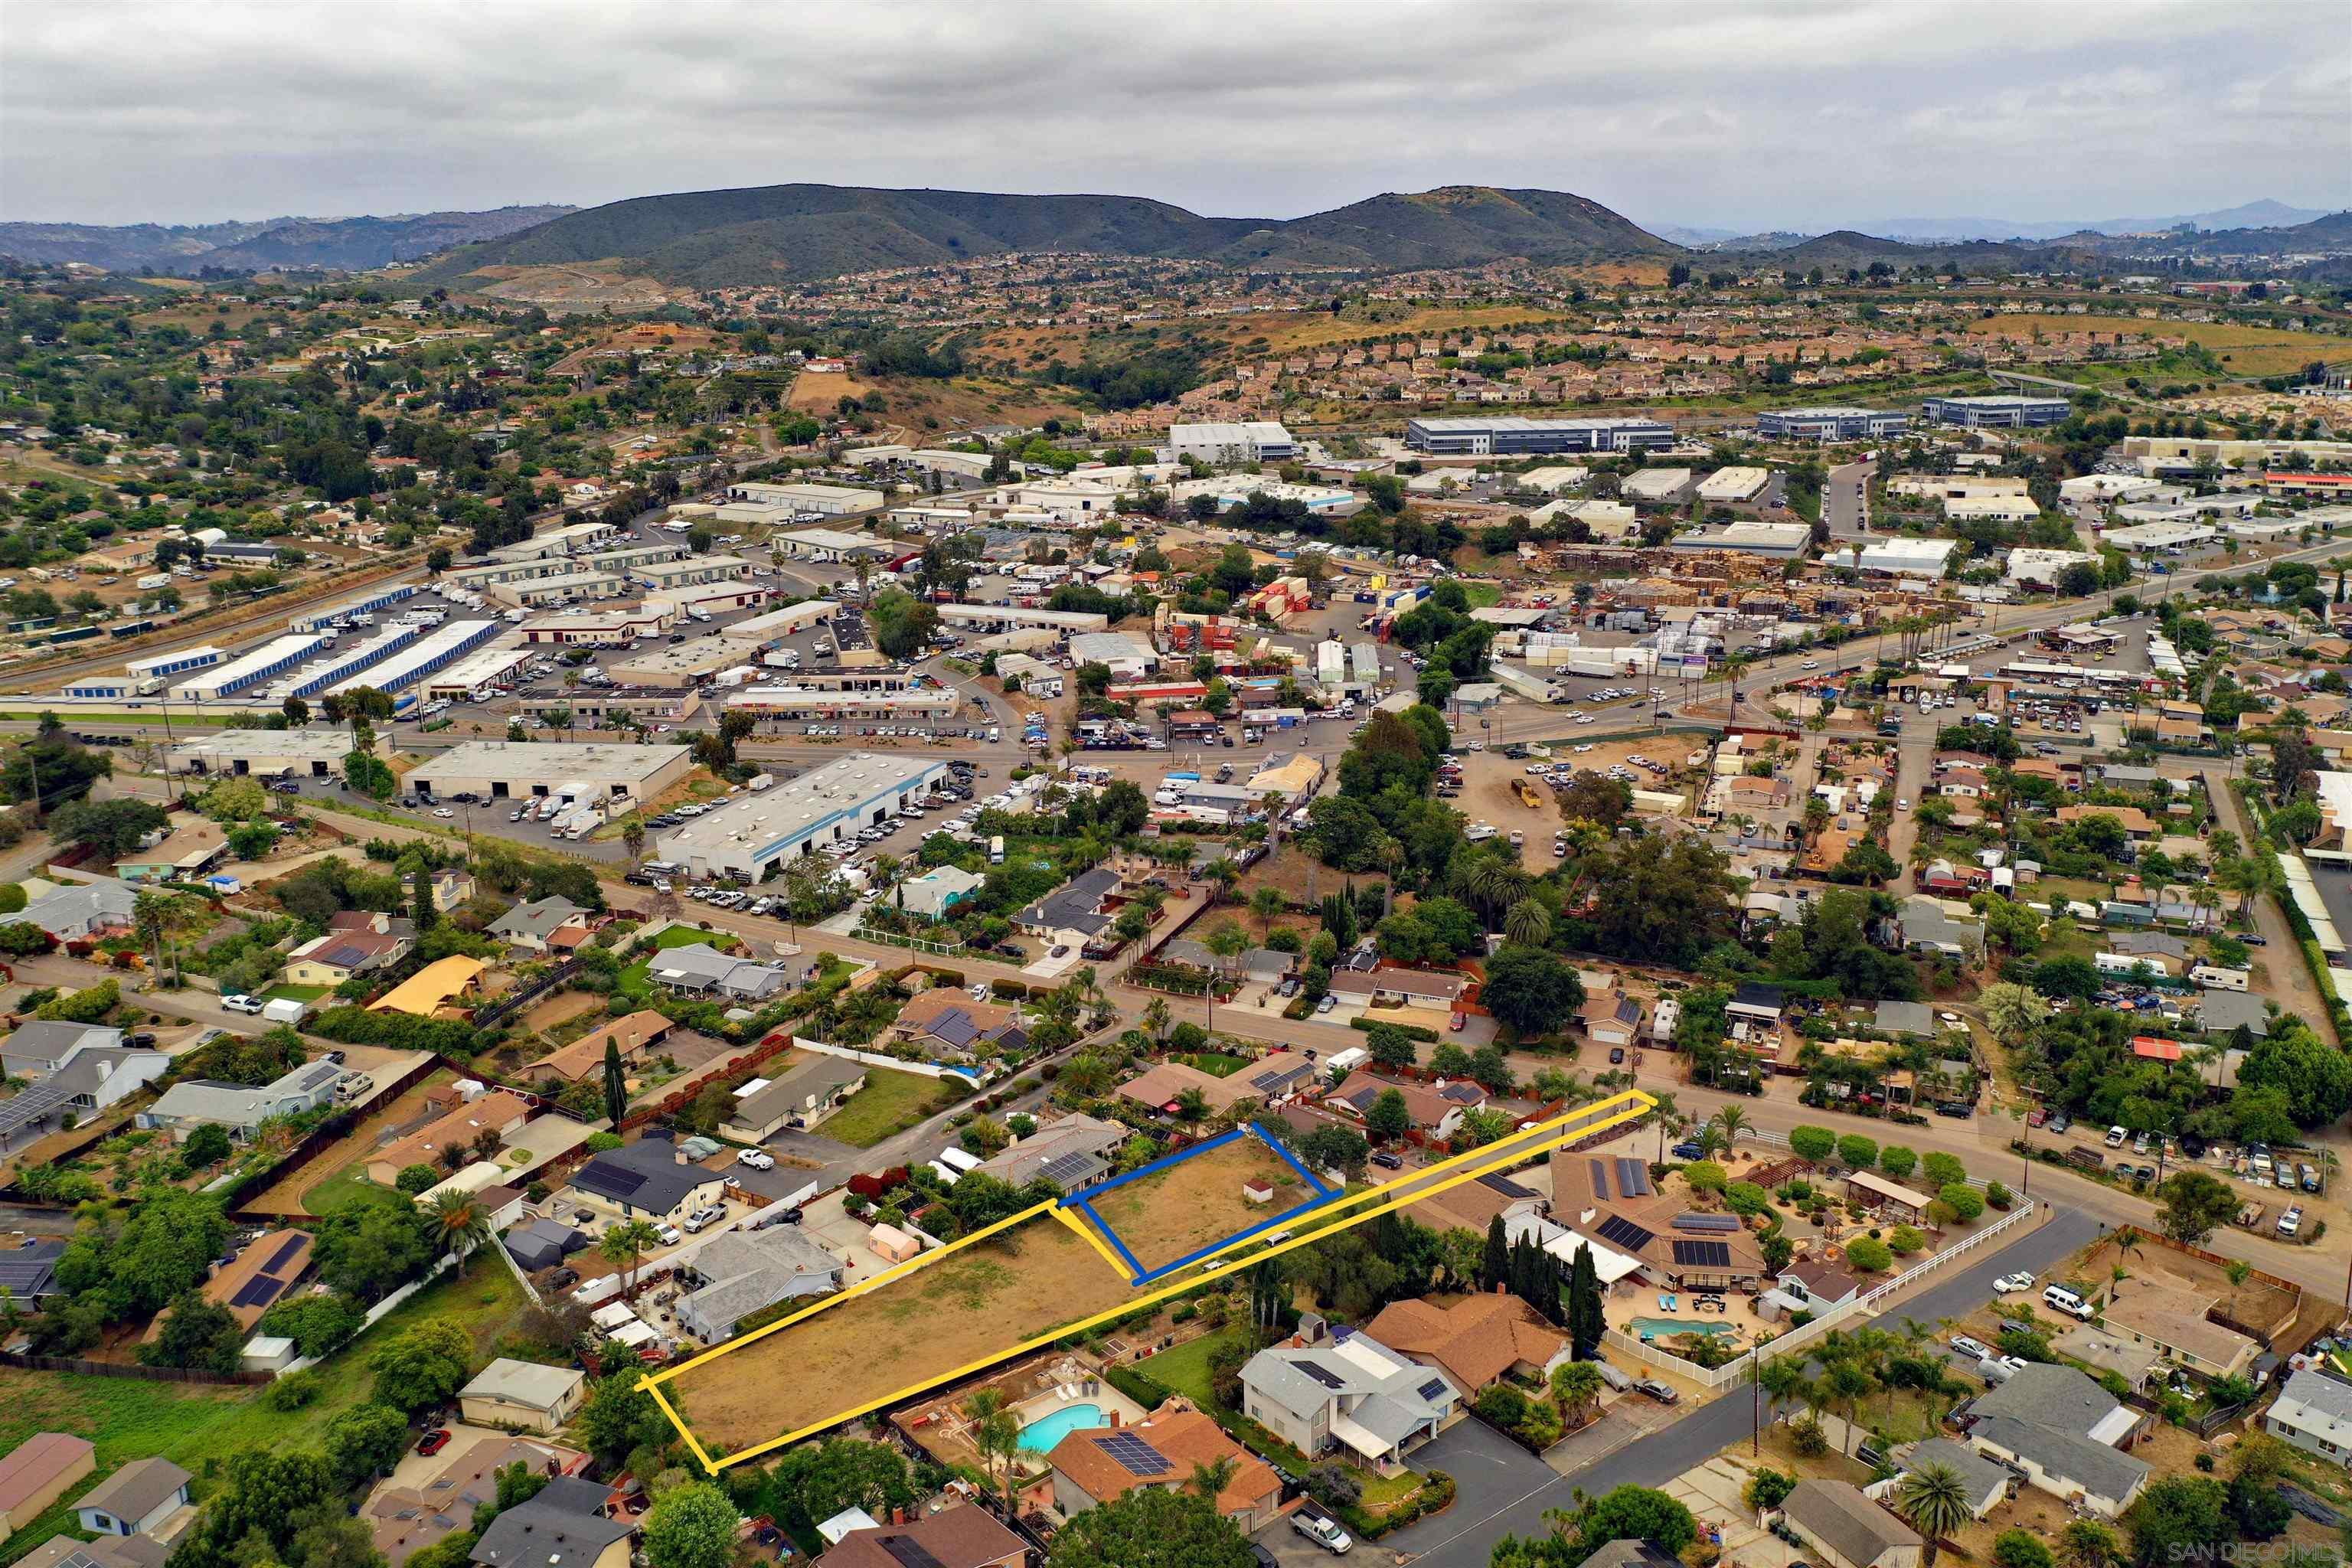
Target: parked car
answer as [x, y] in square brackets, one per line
[1975, 1350]
[1388, 1161]
[758, 1160]
[238, 1002]
[434, 1441]
[1325, 1533]
[704, 1217]
[2009, 1284]
[1657, 1390]
[1687, 1150]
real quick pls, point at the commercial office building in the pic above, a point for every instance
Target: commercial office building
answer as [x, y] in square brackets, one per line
[2005, 411]
[521, 769]
[1830, 424]
[1506, 436]
[1245, 441]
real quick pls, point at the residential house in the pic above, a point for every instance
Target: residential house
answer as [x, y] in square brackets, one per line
[188, 1105]
[1987, 1483]
[1906, 1020]
[106, 1552]
[1849, 1530]
[563, 1527]
[2063, 1432]
[255, 1280]
[964, 1537]
[2103, 1352]
[555, 923]
[1075, 912]
[472, 1123]
[1271, 1078]
[2136, 824]
[934, 894]
[509, 1393]
[452, 885]
[746, 1271]
[1610, 1203]
[1632, 1554]
[1755, 1001]
[1610, 1018]
[136, 1499]
[433, 987]
[1102, 1465]
[1476, 1205]
[801, 1096]
[88, 909]
[701, 970]
[1399, 988]
[583, 1059]
[41, 1045]
[341, 955]
[2313, 1412]
[187, 852]
[2224, 1012]
[1435, 1108]
[1814, 1285]
[1477, 1341]
[648, 1180]
[37, 1471]
[1350, 1392]
[1923, 924]
[407, 1519]
[2173, 1319]
[1074, 1151]
[91, 1079]
[949, 1022]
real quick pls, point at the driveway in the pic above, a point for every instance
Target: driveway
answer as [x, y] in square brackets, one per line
[1492, 1476]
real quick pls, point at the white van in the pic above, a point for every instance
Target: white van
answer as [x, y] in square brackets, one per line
[2061, 1299]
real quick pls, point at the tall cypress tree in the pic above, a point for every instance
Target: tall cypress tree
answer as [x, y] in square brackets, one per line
[616, 1084]
[1585, 1320]
[1495, 1269]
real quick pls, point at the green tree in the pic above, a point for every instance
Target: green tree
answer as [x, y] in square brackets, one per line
[1151, 1528]
[199, 1334]
[2191, 1206]
[424, 1366]
[365, 1442]
[1936, 1501]
[693, 1526]
[2179, 1519]
[1390, 1119]
[616, 1084]
[1530, 989]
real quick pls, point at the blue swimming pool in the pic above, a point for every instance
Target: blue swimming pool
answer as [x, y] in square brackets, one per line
[1040, 1435]
[1666, 1327]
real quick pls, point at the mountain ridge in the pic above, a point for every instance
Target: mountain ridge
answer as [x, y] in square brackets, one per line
[356, 244]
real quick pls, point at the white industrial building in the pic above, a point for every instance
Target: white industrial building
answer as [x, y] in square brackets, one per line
[568, 588]
[2099, 490]
[2042, 568]
[1005, 617]
[1956, 487]
[825, 544]
[616, 627]
[777, 624]
[1230, 490]
[833, 501]
[1035, 676]
[926, 704]
[1551, 480]
[1734, 484]
[265, 754]
[1655, 487]
[501, 770]
[1994, 509]
[2161, 536]
[1127, 656]
[428, 655]
[755, 831]
[1779, 540]
[1245, 441]
[475, 678]
[1901, 557]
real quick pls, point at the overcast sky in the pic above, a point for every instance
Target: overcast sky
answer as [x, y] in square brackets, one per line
[1808, 116]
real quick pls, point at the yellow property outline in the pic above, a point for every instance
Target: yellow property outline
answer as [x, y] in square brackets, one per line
[1630, 1105]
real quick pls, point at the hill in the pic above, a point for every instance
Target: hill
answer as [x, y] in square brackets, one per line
[350, 244]
[795, 233]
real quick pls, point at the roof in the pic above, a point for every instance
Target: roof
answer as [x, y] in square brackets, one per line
[1420, 983]
[1751, 994]
[965, 1537]
[262, 1275]
[188, 847]
[1905, 1018]
[137, 1489]
[2220, 1010]
[81, 906]
[50, 1041]
[1870, 1182]
[586, 1054]
[1078, 1137]
[1428, 1107]
[2176, 1320]
[430, 987]
[1098, 1460]
[1475, 1340]
[1403, 1394]
[35, 1464]
[524, 1383]
[2053, 1396]
[559, 1528]
[2108, 1354]
[1071, 906]
[107, 1552]
[537, 920]
[498, 1110]
[746, 1271]
[815, 1078]
[2315, 1403]
[1836, 1514]
[1277, 1073]
[1632, 1554]
[645, 1174]
[2062, 1456]
[1982, 1475]
[1823, 1278]
[349, 949]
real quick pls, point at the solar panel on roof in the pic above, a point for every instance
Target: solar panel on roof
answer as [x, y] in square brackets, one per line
[909, 1552]
[26, 1107]
[1704, 1254]
[1634, 1179]
[1714, 1222]
[1063, 1169]
[257, 1292]
[1600, 1177]
[1619, 1231]
[1137, 1456]
[1322, 1375]
[286, 1249]
[1435, 1388]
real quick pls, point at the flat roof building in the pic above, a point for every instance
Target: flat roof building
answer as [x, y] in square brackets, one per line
[474, 679]
[1247, 441]
[1781, 541]
[1900, 557]
[265, 754]
[177, 663]
[1734, 484]
[692, 569]
[998, 617]
[616, 627]
[566, 588]
[1828, 424]
[275, 657]
[831, 499]
[829, 544]
[429, 655]
[1508, 435]
[366, 603]
[753, 832]
[1655, 486]
[504, 769]
[1999, 411]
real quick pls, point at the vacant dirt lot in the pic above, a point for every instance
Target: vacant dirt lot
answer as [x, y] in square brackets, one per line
[1197, 1202]
[984, 1302]
[1487, 795]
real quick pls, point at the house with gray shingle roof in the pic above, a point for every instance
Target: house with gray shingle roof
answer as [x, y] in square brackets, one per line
[530, 926]
[802, 1096]
[1849, 1530]
[1352, 1389]
[2060, 1429]
[2313, 1412]
[69, 913]
[743, 1272]
[1987, 1482]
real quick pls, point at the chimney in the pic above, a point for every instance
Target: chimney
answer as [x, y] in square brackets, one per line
[897, 1516]
[1116, 1421]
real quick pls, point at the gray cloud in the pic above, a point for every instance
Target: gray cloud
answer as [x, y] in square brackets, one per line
[1804, 115]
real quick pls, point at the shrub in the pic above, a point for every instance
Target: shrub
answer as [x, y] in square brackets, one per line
[1870, 1257]
[1903, 1240]
[1767, 1489]
[2017, 1549]
[1813, 1143]
[1336, 1486]
[1997, 1195]
[12, 897]
[1704, 1176]
[1745, 1198]
[1805, 1435]
[1943, 1168]
[1962, 1199]
[1898, 1161]
[1858, 1152]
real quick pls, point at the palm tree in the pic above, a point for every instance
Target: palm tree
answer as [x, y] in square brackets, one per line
[1576, 1385]
[996, 1435]
[633, 839]
[2239, 1270]
[1847, 1385]
[1211, 1477]
[2012, 1011]
[1734, 1121]
[1528, 924]
[1155, 1018]
[1711, 1140]
[460, 1222]
[149, 914]
[2126, 1242]
[627, 1245]
[1935, 1500]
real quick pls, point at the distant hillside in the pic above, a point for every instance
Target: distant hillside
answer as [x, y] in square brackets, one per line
[350, 244]
[1846, 247]
[2263, 214]
[793, 233]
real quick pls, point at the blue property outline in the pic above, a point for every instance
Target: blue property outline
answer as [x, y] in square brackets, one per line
[1082, 1201]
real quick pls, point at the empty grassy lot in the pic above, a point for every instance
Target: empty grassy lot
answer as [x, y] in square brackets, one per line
[970, 1306]
[889, 1103]
[1197, 1202]
[2246, 350]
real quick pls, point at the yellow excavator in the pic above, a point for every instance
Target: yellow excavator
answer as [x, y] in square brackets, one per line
[1526, 793]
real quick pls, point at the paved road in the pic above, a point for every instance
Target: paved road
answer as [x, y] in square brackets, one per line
[1464, 1537]
[1845, 501]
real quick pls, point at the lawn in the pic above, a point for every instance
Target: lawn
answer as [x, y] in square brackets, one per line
[294, 992]
[1216, 1064]
[1186, 1369]
[199, 1425]
[686, 936]
[349, 1185]
[1483, 595]
[889, 1103]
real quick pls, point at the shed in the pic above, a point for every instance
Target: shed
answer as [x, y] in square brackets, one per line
[1848, 1529]
[892, 1245]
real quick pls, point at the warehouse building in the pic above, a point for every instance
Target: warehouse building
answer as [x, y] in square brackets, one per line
[1655, 487]
[1728, 485]
[1507, 435]
[478, 677]
[833, 501]
[1244, 441]
[265, 754]
[825, 544]
[1896, 557]
[917, 706]
[753, 832]
[1005, 617]
[597, 628]
[777, 624]
[501, 770]
[365, 605]
[1830, 424]
[431, 654]
[2007, 411]
[1127, 656]
[275, 657]
[1778, 540]
[337, 671]
[657, 575]
[566, 589]
[157, 665]
[726, 593]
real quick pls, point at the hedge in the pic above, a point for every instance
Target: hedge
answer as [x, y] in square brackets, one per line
[1437, 1493]
[1144, 1390]
[1410, 1031]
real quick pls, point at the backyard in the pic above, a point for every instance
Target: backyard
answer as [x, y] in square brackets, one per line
[1197, 1202]
[889, 1104]
[334, 1178]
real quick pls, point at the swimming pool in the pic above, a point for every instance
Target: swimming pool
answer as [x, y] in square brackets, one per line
[1666, 1327]
[1040, 1435]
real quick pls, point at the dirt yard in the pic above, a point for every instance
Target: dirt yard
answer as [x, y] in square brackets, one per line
[562, 1008]
[285, 1197]
[1487, 796]
[984, 1302]
[1197, 1202]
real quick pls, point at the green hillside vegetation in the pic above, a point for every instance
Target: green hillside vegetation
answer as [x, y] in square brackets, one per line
[796, 233]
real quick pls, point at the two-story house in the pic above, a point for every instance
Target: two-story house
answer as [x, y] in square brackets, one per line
[1348, 1392]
